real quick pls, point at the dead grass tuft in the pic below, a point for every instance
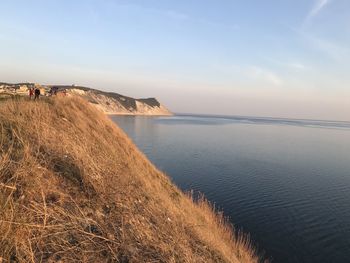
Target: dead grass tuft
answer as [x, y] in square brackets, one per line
[73, 188]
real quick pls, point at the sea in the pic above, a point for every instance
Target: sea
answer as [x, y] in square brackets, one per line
[285, 182]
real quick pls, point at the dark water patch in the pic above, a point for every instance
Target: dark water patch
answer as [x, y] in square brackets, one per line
[286, 182]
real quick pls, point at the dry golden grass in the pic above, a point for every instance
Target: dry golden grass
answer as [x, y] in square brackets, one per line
[74, 188]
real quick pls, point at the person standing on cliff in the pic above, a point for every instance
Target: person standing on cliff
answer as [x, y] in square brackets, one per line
[37, 93]
[31, 93]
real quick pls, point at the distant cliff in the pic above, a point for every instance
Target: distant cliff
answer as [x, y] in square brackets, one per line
[108, 102]
[114, 103]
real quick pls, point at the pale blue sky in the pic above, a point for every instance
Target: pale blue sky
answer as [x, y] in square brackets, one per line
[288, 58]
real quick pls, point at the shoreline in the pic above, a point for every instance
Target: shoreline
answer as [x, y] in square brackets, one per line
[137, 114]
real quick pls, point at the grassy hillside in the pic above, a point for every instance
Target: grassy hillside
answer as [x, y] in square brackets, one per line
[108, 102]
[74, 188]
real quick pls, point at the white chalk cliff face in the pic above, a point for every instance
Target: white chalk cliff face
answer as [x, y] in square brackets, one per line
[113, 103]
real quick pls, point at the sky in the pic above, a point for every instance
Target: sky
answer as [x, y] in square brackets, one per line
[281, 58]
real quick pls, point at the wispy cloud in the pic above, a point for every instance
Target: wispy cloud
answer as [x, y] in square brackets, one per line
[334, 50]
[265, 75]
[297, 65]
[174, 14]
[331, 48]
[178, 16]
[215, 24]
[291, 64]
[316, 9]
[167, 13]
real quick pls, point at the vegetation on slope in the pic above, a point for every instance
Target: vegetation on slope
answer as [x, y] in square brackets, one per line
[74, 188]
[108, 102]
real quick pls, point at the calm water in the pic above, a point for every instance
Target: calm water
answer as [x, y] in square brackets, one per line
[286, 182]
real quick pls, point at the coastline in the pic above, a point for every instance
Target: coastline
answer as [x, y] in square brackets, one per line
[138, 114]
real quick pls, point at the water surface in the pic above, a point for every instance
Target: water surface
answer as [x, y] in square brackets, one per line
[286, 182]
